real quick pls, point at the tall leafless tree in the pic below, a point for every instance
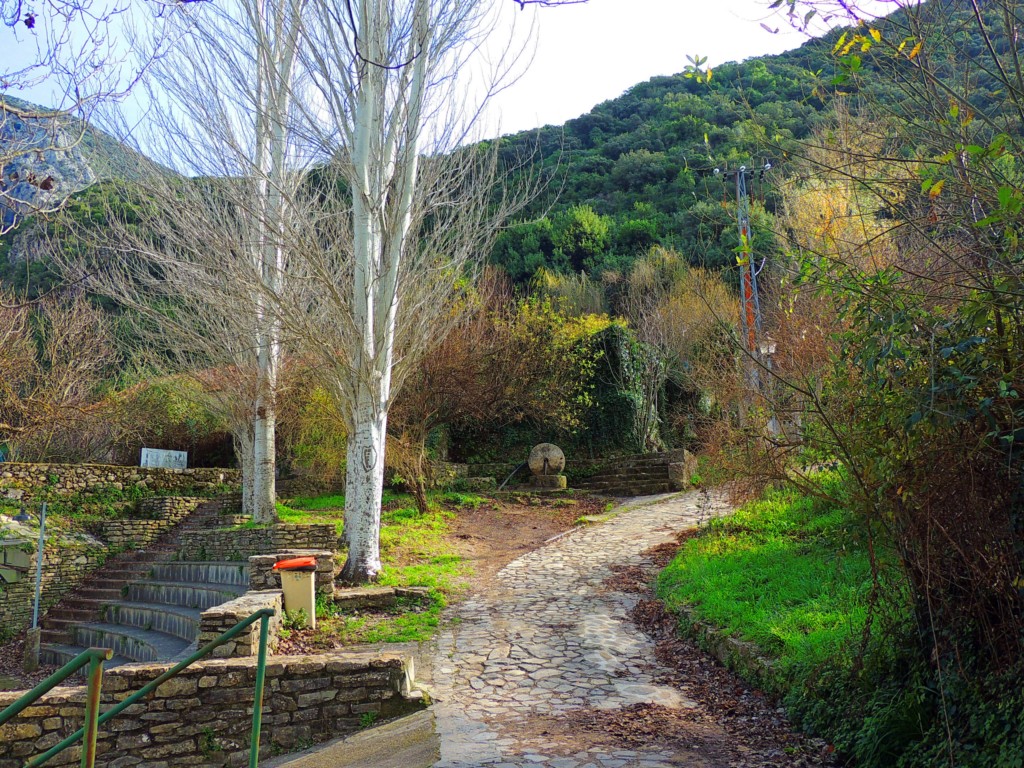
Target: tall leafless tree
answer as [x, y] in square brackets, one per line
[399, 215]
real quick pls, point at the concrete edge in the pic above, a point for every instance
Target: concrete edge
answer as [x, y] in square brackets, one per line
[406, 742]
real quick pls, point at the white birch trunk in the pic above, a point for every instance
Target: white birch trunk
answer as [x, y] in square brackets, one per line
[244, 453]
[275, 65]
[385, 164]
[264, 494]
[364, 485]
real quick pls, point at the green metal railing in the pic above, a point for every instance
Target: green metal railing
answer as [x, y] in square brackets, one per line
[95, 657]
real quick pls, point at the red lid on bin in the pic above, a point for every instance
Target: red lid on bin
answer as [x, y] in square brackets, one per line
[295, 562]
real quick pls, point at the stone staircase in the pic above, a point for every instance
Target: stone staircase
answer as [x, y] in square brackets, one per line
[642, 475]
[144, 605]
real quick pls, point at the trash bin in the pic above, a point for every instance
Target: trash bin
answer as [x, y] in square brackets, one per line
[298, 582]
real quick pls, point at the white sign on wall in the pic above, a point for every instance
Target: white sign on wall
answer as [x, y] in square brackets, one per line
[154, 457]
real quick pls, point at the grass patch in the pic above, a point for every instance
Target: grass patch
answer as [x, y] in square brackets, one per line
[787, 572]
[330, 508]
[313, 503]
[792, 575]
[415, 553]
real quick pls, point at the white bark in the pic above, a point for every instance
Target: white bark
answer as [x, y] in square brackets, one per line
[386, 257]
[364, 484]
[220, 109]
[245, 454]
[264, 465]
[275, 60]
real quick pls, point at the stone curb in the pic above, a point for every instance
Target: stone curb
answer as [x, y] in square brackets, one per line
[743, 657]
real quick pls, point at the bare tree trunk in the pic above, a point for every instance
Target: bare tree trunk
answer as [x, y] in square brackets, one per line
[264, 466]
[364, 484]
[413, 214]
[419, 482]
[244, 452]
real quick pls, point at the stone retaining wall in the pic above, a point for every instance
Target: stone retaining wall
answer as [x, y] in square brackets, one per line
[204, 716]
[262, 575]
[445, 473]
[233, 544]
[27, 480]
[214, 622]
[153, 517]
[500, 470]
[65, 565]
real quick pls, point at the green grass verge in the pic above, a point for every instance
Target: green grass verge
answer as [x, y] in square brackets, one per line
[786, 572]
[791, 574]
[415, 553]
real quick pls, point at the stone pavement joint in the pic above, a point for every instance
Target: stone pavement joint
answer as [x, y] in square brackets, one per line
[548, 637]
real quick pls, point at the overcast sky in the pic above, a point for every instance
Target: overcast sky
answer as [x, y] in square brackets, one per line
[593, 52]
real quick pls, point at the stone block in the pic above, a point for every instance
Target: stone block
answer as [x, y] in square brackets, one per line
[680, 472]
[548, 482]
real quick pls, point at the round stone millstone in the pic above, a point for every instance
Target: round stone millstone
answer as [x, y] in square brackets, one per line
[552, 453]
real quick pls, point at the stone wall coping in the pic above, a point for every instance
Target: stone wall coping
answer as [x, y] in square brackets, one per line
[244, 605]
[363, 657]
[41, 466]
[284, 554]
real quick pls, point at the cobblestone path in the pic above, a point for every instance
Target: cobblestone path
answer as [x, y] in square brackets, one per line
[547, 637]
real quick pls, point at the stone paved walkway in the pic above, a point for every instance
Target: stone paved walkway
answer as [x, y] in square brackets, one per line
[549, 637]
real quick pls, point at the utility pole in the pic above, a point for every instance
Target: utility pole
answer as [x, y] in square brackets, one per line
[758, 354]
[751, 304]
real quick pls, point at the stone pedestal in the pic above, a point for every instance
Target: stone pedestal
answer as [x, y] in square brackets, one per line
[548, 482]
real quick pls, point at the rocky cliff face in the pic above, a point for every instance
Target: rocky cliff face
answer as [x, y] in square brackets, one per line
[43, 160]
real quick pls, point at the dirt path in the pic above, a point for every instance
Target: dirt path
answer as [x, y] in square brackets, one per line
[544, 665]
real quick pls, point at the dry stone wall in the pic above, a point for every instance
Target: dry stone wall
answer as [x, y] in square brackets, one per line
[501, 470]
[28, 480]
[65, 565]
[235, 544]
[153, 517]
[213, 622]
[204, 716]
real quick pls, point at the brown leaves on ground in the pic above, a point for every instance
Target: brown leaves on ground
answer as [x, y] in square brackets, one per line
[629, 578]
[759, 732]
[648, 725]
[11, 675]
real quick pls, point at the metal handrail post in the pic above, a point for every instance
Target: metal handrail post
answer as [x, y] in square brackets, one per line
[257, 704]
[53, 681]
[39, 568]
[92, 711]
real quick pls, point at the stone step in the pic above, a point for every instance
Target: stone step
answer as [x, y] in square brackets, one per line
[188, 595]
[602, 486]
[131, 642]
[641, 472]
[636, 466]
[171, 620]
[92, 594]
[58, 630]
[102, 582]
[236, 574]
[83, 611]
[625, 477]
[60, 654]
[621, 479]
[646, 489]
